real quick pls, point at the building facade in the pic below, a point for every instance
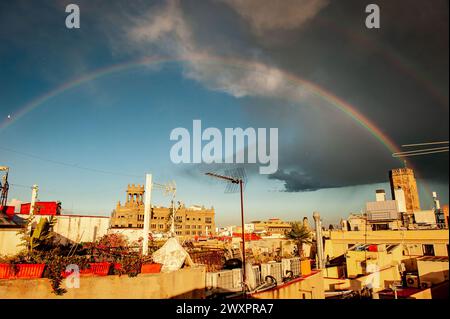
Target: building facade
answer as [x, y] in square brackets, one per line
[189, 221]
[404, 178]
[272, 226]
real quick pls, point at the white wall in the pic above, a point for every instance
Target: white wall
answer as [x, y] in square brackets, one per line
[68, 229]
[9, 241]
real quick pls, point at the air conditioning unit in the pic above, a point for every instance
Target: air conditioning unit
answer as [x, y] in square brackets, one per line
[221, 279]
[256, 275]
[425, 284]
[272, 269]
[237, 278]
[291, 264]
[412, 281]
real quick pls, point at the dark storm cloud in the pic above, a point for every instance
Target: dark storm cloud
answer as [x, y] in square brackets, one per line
[396, 76]
[297, 182]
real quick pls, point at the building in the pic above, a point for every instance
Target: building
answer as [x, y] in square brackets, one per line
[383, 214]
[189, 221]
[272, 226]
[368, 258]
[355, 222]
[404, 178]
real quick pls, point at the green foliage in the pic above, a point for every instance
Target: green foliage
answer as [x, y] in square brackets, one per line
[300, 234]
[39, 238]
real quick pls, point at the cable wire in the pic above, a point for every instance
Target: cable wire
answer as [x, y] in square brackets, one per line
[68, 164]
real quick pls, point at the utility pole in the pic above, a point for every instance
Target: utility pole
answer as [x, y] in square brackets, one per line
[147, 213]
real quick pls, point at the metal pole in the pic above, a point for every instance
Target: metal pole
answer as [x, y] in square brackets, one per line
[244, 277]
[147, 213]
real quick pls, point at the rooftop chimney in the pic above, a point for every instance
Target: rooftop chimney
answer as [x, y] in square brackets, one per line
[319, 241]
[380, 195]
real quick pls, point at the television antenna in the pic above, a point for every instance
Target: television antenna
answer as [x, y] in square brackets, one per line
[236, 180]
[4, 186]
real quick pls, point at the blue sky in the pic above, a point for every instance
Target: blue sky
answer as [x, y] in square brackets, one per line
[121, 122]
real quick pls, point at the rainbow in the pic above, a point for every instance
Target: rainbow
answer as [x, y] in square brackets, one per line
[332, 99]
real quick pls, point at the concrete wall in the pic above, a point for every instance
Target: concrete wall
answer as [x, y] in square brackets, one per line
[310, 287]
[184, 283]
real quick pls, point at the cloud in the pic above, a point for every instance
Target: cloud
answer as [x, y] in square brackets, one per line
[166, 31]
[218, 49]
[269, 15]
[295, 181]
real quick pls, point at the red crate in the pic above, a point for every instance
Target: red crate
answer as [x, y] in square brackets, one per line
[30, 271]
[151, 268]
[24, 271]
[99, 269]
[6, 271]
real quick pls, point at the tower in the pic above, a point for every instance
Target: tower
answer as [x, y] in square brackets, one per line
[404, 178]
[135, 195]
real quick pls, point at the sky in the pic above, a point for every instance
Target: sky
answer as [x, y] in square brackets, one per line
[84, 112]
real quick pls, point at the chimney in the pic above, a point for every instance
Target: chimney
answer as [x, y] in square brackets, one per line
[380, 195]
[437, 204]
[319, 241]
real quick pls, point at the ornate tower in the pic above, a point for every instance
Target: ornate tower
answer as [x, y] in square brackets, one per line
[404, 178]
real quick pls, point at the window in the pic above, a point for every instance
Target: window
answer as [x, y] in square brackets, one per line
[130, 225]
[208, 220]
[188, 226]
[428, 250]
[187, 232]
[153, 225]
[161, 226]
